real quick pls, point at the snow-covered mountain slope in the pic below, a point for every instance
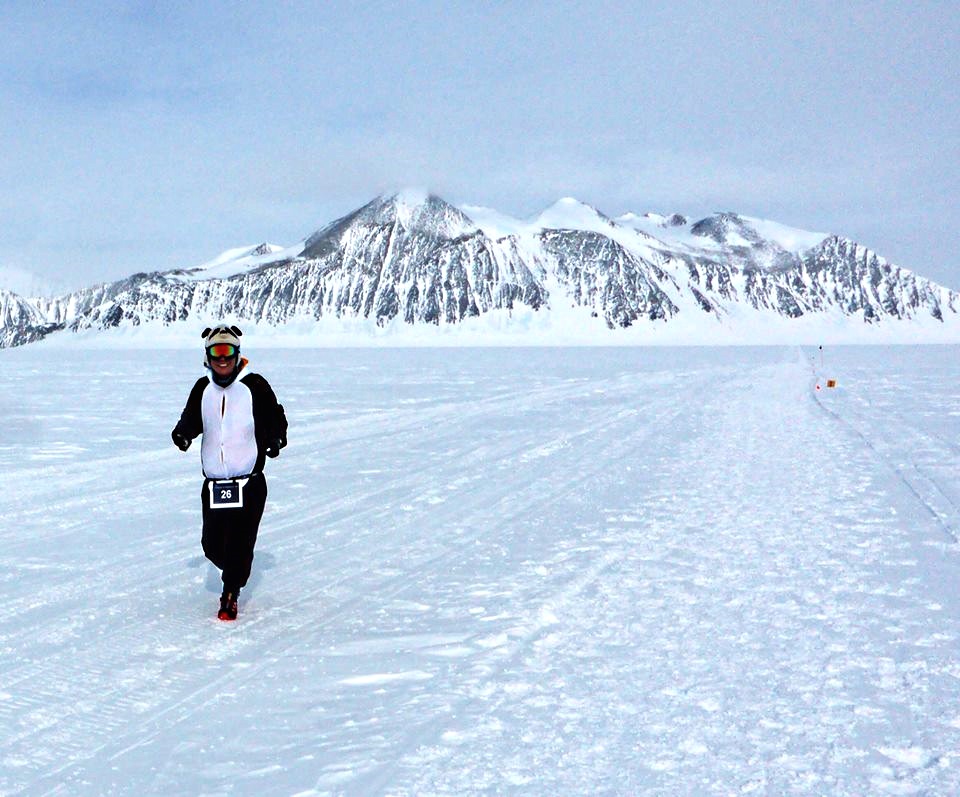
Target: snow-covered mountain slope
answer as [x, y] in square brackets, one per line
[15, 311]
[547, 573]
[235, 261]
[415, 258]
[21, 321]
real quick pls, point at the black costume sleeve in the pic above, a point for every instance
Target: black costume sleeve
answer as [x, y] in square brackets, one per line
[191, 419]
[269, 419]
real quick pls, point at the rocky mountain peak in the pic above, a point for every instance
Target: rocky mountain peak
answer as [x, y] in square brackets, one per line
[414, 257]
[413, 211]
[728, 229]
[673, 220]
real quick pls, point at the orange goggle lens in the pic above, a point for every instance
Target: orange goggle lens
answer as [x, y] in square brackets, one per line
[227, 350]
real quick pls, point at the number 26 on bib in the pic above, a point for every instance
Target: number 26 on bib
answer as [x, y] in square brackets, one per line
[226, 494]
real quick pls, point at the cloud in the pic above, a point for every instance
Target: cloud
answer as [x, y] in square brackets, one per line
[175, 130]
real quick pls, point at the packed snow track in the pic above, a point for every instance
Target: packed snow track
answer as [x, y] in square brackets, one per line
[491, 571]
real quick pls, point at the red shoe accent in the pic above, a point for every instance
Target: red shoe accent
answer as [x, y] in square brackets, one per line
[228, 607]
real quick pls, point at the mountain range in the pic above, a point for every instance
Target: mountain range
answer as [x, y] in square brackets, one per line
[416, 258]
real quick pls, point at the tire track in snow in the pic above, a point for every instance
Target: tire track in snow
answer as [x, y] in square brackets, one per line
[386, 588]
[685, 687]
[565, 590]
[924, 488]
[36, 488]
[426, 732]
[149, 578]
[342, 506]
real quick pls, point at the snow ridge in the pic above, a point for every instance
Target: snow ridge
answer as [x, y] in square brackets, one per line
[412, 257]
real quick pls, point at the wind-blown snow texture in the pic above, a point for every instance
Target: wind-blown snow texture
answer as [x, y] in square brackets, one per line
[531, 571]
[416, 260]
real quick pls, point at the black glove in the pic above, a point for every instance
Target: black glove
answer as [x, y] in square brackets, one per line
[179, 440]
[273, 447]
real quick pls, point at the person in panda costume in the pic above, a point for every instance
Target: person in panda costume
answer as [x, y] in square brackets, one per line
[242, 424]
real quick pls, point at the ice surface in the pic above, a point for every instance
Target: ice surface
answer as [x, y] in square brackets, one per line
[484, 571]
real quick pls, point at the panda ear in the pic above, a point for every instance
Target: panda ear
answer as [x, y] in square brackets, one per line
[236, 331]
[205, 332]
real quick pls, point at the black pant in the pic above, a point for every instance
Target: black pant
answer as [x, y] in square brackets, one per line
[230, 534]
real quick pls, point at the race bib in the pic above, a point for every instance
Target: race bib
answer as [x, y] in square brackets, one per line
[226, 494]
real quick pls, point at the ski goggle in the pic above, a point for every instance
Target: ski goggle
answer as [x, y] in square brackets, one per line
[218, 350]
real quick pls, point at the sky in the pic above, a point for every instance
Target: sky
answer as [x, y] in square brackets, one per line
[151, 136]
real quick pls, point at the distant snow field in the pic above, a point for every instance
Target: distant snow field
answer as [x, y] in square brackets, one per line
[542, 571]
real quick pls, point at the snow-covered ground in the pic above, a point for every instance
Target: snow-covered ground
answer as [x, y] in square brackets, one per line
[549, 571]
